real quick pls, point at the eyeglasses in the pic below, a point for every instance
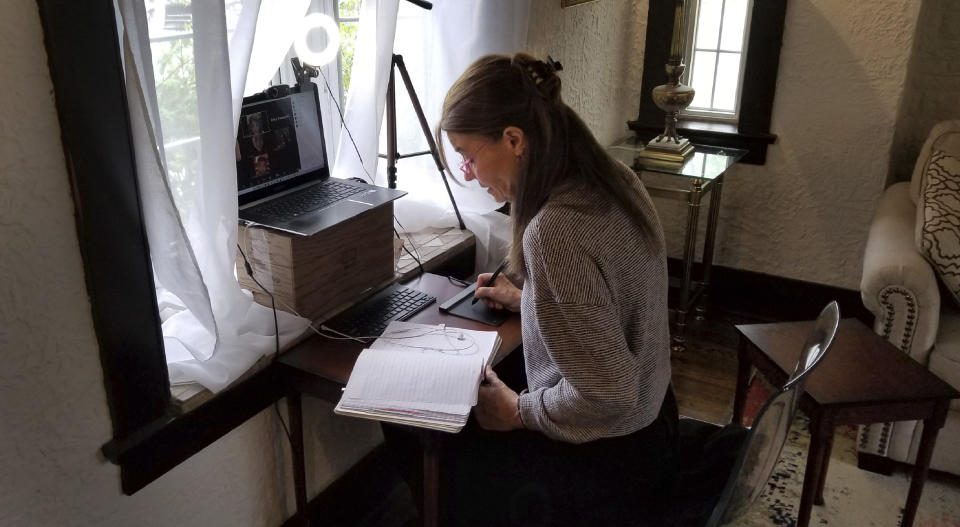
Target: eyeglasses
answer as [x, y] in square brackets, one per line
[467, 165]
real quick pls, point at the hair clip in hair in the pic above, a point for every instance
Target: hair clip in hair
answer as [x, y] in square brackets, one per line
[554, 65]
[537, 79]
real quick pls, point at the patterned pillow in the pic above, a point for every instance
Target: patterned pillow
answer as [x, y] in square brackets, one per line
[938, 211]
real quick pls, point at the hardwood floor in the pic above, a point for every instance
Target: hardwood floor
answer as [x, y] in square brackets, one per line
[705, 374]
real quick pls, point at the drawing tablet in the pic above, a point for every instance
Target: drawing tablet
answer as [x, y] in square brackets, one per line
[462, 306]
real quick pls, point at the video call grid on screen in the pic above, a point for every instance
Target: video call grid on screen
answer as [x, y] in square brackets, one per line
[278, 140]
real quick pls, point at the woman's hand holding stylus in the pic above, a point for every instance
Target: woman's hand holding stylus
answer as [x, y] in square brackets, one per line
[502, 294]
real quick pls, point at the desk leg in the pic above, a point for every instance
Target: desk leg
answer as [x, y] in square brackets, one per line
[690, 243]
[431, 478]
[931, 427]
[821, 432]
[295, 409]
[743, 380]
[708, 244]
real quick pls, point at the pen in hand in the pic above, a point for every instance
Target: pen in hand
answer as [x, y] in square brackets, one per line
[489, 282]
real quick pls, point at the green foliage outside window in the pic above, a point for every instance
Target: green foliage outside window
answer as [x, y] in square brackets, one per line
[348, 41]
[176, 79]
[347, 9]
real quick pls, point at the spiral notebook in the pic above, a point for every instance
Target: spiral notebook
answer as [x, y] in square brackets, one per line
[419, 375]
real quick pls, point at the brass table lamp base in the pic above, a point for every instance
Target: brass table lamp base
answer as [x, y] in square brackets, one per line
[672, 98]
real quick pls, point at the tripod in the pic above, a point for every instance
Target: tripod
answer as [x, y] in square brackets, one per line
[392, 154]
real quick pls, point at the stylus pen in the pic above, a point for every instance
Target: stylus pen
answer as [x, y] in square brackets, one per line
[491, 280]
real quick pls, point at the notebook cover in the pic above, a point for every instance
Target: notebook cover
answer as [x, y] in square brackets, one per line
[462, 306]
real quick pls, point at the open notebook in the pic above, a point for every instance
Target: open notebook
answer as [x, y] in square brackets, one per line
[419, 375]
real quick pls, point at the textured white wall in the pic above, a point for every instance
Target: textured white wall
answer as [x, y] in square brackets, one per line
[52, 405]
[600, 45]
[804, 214]
[932, 92]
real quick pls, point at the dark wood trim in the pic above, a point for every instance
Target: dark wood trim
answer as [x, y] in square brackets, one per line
[763, 63]
[773, 298]
[656, 51]
[757, 95]
[84, 60]
[173, 439]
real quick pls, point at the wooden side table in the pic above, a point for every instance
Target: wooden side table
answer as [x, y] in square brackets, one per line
[862, 379]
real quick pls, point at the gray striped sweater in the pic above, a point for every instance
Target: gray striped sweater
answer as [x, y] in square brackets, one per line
[594, 316]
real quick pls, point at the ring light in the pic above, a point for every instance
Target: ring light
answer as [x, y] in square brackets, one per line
[327, 54]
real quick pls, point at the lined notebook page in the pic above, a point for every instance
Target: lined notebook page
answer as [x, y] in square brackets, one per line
[396, 376]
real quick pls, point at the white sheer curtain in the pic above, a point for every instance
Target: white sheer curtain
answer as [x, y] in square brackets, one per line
[184, 121]
[437, 46]
[363, 112]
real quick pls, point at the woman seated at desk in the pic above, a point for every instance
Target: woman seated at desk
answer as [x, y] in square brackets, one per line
[592, 434]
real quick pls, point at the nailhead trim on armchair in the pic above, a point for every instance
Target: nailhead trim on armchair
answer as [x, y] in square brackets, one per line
[883, 430]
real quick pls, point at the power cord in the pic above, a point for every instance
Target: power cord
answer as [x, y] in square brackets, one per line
[457, 281]
[409, 239]
[344, 124]
[276, 333]
[404, 245]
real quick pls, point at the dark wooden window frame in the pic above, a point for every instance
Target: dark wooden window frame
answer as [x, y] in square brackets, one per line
[149, 437]
[759, 82]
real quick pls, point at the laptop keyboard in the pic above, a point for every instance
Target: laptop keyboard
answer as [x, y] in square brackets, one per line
[370, 317]
[306, 200]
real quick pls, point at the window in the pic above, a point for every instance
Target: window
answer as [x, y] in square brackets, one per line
[716, 45]
[741, 120]
[348, 19]
[171, 44]
[88, 78]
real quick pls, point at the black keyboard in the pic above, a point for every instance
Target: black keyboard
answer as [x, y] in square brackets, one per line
[370, 317]
[306, 200]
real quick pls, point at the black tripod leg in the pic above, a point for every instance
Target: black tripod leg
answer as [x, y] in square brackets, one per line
[392, 130]
[398, 62]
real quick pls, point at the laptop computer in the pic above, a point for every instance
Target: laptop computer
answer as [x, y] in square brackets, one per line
[283, 177]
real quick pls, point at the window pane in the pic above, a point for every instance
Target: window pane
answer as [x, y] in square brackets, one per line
[734, 19]
[728, 72]
[175, 78]
[349, 8]
[348, 41]
[703, 64]
[708, 23]
[168, 18]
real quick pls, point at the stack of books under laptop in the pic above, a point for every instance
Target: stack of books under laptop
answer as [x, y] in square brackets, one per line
[419, 375]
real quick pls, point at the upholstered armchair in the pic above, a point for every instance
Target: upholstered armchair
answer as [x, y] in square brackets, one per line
[911, 276]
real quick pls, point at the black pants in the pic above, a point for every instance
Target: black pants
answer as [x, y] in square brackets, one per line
[525, 478]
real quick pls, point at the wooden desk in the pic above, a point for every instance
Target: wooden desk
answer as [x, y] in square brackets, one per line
[321, 367]
[862, 379]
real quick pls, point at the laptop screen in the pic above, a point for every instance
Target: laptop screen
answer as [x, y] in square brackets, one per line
[279, 145]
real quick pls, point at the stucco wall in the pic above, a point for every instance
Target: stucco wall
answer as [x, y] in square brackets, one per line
[804, 214]
[600, 45]
[932, 91]
[53, 412]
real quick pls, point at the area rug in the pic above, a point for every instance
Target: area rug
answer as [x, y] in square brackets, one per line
[852, 497]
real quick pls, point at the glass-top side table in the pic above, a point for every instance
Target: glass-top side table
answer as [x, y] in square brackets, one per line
[701, 173]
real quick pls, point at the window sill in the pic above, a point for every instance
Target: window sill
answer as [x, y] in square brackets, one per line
[154, 449]
[714, 134]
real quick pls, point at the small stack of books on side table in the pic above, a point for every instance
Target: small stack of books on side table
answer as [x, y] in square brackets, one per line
[419, 375]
